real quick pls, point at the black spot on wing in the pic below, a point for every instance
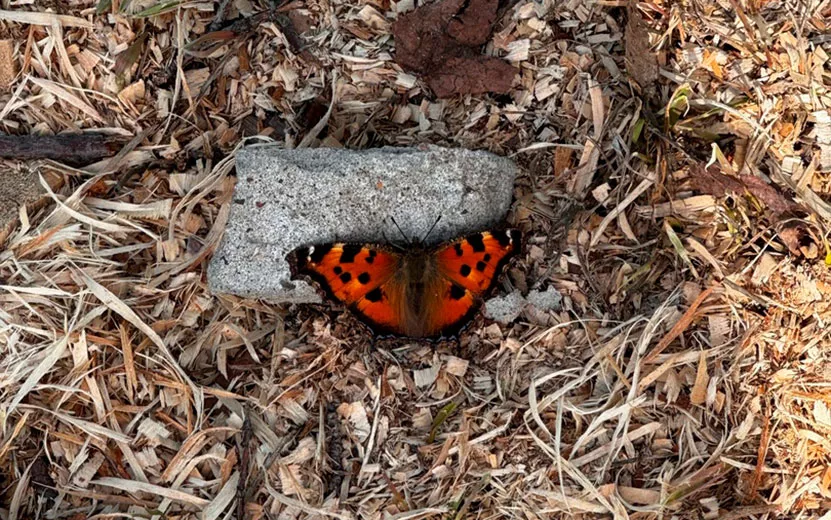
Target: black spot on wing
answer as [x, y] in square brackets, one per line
[457, 292]
[350, 251]
[371, 256]
[487, 257]
[345, 277]
[363, 278]
[503, 237]
[319, 252]
[465, 270]
[459, 250]
[477, 243]
[375, 295]
[480, 266]
[337, 270]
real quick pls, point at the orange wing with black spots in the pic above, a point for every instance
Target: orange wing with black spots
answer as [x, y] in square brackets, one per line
[450, 310]
[417, 294]
[474, 263]
[351, 274]
[469, 269]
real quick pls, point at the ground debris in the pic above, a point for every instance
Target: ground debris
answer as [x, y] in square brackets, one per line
[641, 60]
[441, 42]
[125, 380]
[713, 182]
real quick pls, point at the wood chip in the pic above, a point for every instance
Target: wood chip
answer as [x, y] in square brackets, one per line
[8, 65]
[698, 395]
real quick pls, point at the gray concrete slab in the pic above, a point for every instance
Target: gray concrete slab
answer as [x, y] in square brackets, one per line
[284, 199]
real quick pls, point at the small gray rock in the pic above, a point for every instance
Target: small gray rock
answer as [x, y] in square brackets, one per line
[284, 199]
[549, 300]
[505, 309]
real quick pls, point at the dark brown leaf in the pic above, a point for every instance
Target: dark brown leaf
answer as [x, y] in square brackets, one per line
[713, 182]
[768, 195]
[439, 41]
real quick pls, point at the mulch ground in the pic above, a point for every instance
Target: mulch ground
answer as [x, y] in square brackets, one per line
[675, 162]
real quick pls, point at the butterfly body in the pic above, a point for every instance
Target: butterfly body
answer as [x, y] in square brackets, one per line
[416, 292]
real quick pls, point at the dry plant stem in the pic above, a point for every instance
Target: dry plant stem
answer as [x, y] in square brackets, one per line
[679, 327]
[116, 161]
[762, 454]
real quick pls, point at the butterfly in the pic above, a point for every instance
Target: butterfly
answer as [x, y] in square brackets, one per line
[415, 291]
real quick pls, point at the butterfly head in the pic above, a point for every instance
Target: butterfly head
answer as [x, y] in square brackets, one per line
[413, 243]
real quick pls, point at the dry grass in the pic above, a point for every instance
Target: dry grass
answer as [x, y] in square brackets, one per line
[687, 375]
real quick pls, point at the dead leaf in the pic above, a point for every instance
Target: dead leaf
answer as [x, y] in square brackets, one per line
[711, 181]
[355, 413]
[764, 268]
[562, 160]
[426, 376]
[133, 92]
[291, 480]
[456, 366]
[699, 391]
[440, 40]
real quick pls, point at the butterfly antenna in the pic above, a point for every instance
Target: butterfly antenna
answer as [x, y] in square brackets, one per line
[431, 229]
[406, 239]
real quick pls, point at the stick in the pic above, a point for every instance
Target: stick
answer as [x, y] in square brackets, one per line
[75, 149]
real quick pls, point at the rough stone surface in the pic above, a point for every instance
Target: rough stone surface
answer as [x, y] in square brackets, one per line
[507, 308]
[549, 300]
[287, 198]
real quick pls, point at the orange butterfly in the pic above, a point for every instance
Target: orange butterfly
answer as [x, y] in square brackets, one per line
[418, 292]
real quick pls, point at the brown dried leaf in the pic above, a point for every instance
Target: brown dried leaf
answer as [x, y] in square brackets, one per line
[128, 58]
[713, 182]
[699, 392]
[439, 41]
[355, 413]
[768, 195]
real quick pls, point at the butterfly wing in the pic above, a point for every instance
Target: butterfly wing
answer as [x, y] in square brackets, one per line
[353, 274]
[469, 268]
[370, 281]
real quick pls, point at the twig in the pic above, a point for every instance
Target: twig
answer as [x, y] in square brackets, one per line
[72, 149]
[244, 449]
